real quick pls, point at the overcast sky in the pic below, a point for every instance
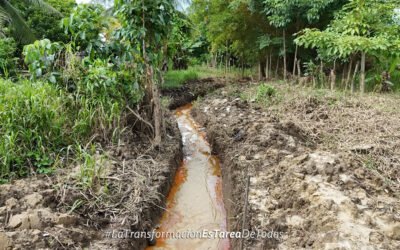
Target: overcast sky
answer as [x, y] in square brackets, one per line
[183, 4]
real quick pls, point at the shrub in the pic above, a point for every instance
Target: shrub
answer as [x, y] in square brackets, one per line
[41, 57]
[101, 97]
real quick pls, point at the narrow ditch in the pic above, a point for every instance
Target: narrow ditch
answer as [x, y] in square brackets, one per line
[195, 202]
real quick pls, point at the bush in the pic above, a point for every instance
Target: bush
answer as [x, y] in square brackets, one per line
[7, 57]
[32, 129]
[41, 57]
[101, 96]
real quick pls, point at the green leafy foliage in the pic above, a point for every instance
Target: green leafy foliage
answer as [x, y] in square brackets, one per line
[16, 25]
[40, 58]
[84, 26]
[157, 16]
[42, 23]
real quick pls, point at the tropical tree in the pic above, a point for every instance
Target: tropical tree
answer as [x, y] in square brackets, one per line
[364, 27]
[146, 26]
[19, 28]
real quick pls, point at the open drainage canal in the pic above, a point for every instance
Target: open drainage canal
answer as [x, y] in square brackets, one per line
[195, 202]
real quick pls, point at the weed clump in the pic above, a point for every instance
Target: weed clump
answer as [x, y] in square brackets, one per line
[264, 92]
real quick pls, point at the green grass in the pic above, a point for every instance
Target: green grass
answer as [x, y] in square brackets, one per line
[41, 123]
[176, 78]
[32, 127]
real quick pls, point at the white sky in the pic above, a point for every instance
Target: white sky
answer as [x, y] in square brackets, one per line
[183, 3]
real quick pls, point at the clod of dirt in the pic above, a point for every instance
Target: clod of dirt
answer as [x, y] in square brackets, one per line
[5, 241]
[11, 203]
[33, 200]
[66, 220]
[32, 219]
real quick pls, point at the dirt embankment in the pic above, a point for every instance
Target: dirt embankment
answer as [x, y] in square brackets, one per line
[190, 91]
[315, 177]
[127, 193]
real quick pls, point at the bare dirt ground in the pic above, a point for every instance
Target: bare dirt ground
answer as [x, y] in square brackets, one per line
[128, 193]
[324, 167]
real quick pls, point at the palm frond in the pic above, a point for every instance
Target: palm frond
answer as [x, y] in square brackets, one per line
[20, 29]
[45, 6]
[3, 20]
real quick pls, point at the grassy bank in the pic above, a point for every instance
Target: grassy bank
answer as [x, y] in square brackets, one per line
[43, 125]
[176, 78]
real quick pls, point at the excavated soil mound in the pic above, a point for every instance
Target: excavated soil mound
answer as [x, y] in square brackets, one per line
[315, 179]
[190, 91]
[58, 212]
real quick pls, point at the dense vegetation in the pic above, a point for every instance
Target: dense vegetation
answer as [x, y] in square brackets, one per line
[71, 74]
[73, 89]
[316, 39]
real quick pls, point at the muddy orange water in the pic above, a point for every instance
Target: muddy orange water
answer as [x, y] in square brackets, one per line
[195, 202]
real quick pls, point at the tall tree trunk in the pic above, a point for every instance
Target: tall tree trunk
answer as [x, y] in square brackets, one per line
[354, 78]
[343, 80]
[242, 68]
[362, 73]
[277, 67]
[214, 60]
[270, 62]
[298, 68]
[226, 60]
[333, 77]
[267, 67]
[295, 61]
[284, 56]
[322, 74]
[153, 96]
[157, 112]
[349, 70]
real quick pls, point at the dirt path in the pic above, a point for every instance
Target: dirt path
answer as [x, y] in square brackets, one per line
[314, 176]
